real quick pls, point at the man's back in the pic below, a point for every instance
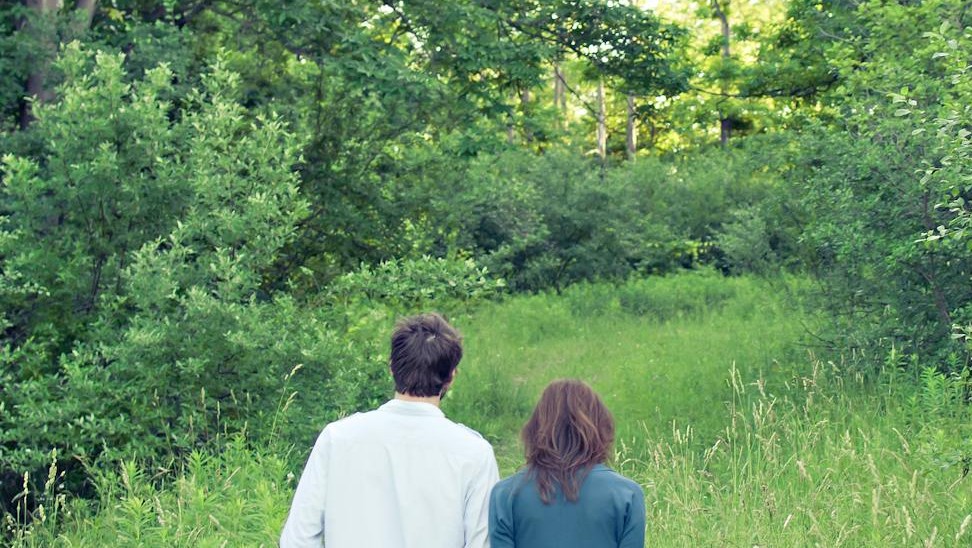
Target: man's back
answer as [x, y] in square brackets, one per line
[400, 476]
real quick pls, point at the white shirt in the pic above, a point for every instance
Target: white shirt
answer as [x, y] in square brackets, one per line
[401, 476]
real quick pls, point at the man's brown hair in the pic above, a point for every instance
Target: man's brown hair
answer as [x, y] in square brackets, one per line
[570, 431]
[425, 350]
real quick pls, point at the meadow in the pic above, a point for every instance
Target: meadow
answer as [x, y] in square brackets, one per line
[739, 433]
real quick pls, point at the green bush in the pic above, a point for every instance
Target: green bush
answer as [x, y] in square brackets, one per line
[133, 260]
[885, 179]
[413, 284]
[765, 238]
[568, 225]
[553, 220]
[867, 210]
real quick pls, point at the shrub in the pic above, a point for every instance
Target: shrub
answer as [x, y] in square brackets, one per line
[410, 284]
[746, 245]
[557, 219]
[137, 323]
[886, 181]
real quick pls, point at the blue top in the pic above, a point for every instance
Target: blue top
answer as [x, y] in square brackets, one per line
[609, 513]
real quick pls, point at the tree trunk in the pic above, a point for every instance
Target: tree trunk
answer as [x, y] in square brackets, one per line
[631, 140]
[725, 123]
[39, 26]
[44, 38]
[601, 121]
[560, 94]
[511, 127]
[85, 13]
[525, 108]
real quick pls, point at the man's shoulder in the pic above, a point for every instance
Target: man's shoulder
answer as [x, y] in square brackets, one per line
[469, 431]
[338, 423]
[360, 423]
[346, 426]
[470, 437]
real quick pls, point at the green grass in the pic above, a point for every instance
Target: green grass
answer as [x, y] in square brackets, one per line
[739, 435]
[662, 363]
[827, 463]
[236, 498]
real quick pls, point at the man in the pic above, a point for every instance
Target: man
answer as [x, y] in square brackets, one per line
[403, 475]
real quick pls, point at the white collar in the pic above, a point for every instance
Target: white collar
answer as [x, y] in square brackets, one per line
[402, 407]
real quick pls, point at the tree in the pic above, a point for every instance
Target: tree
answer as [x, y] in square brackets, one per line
[728, 49]
[135, 247]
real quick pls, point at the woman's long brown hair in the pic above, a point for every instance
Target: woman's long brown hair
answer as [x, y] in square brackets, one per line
[570, 431]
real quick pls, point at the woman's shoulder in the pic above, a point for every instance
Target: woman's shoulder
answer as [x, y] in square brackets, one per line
[507, 485]
[513, 490]
[611, 477]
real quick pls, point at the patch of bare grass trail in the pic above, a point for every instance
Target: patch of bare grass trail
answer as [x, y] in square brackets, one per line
[659, 351]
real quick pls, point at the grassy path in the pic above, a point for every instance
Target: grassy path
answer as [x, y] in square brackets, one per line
[659, 351]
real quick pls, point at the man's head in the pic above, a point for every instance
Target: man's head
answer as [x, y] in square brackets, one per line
[425, 351]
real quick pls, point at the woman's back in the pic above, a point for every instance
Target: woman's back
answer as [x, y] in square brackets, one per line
[609, 513]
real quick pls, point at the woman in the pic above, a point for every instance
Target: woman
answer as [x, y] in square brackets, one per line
[566, 497]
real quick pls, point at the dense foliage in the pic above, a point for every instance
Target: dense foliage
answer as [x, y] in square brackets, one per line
[882, 180]
[141, 238]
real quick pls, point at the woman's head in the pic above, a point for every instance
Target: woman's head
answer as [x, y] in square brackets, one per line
[570, 431]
